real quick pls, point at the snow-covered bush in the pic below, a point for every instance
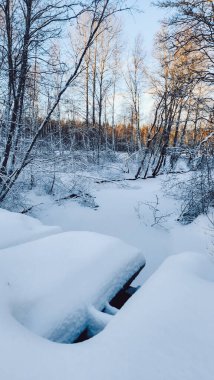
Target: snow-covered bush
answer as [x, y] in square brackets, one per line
[195, 189]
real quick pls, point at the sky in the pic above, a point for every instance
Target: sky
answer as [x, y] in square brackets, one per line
[147, 24]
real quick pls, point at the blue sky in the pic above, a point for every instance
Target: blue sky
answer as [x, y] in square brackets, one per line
[146, 24]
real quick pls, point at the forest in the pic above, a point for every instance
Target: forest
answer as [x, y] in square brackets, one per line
[106, 189]
[67, 90]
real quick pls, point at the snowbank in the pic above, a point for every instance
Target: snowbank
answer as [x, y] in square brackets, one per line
[52, 282]
[126, 210]
[17, 228]
[165, 331]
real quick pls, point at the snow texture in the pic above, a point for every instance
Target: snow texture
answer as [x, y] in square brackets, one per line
[17, 228]
[52, 282]
[165, 331]
[51, 288]
[125, 212]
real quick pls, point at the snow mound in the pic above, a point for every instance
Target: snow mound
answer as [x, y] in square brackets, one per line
[17, 228]
[168, 325]
[165, 331]
[53, 281]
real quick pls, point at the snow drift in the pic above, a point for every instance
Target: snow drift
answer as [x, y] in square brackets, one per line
[165, 331]
[17, 228]
[52, 282]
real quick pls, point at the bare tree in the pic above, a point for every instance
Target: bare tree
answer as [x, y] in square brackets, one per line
[40, 23]
[177, 93]
[193, 21]
[134, 82]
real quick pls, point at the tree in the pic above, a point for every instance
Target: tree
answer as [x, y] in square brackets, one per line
[134, 83]
[40, 23]
[98, 78]
[194, 19]
[178, 96]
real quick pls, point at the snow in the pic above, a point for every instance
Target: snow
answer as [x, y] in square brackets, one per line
[165, 331]
[168, 325]
[52, 287]
[123, 213]
[97, 321]
[53, 281]
[17, 228]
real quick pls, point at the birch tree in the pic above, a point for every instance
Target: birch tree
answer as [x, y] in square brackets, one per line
[40, 22]
[134, 83]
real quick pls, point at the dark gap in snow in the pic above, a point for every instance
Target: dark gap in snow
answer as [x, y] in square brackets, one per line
[123, 296]
[126, 292]
[82, 337]
[116, 303]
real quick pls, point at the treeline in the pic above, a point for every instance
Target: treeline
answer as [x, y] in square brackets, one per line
[65, 85]
[184, 85]
[73, 134]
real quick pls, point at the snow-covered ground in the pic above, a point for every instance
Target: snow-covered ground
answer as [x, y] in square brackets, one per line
[165, 331]
[52, 287]
[126, 210]
[17, 228]
[52, 282]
